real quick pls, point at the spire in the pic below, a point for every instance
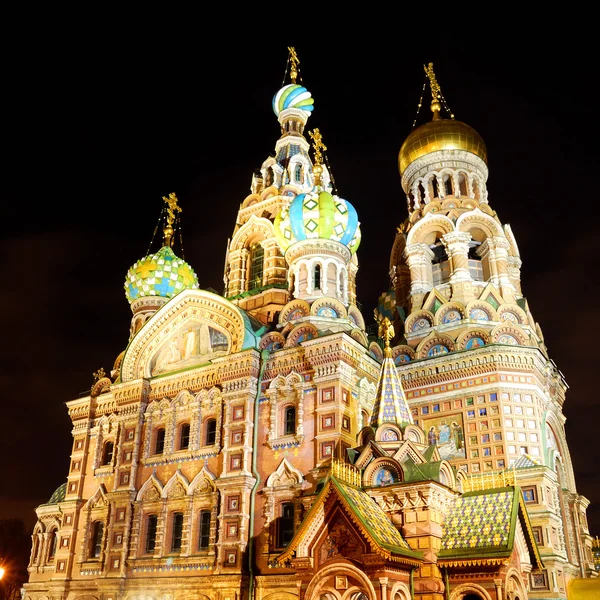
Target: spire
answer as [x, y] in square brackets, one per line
[390, 402]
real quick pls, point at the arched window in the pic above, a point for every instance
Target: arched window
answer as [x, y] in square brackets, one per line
[289, 426]
[269, 178]
[159, 441]
[184, 436]
[151, 524]
[96, 541]
[448, 185]
[434, 187]
[107, 454]
[211, 432]
[317, 277]
[475, 263]
[462, 185]
[298, 173]
[440, 267]
[177, 532]
[257, 258]
[52, 543]
[204, 533]
[285, 528]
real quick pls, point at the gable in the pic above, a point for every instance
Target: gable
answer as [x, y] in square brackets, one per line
[191, 329]
[351, 512]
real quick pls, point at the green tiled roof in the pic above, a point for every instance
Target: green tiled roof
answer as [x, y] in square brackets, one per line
[369, 518]
[482, 524]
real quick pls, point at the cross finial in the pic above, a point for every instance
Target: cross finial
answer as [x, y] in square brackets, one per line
[172, 208]
[318, 145]
[386, 331]
[99, 374]
[295, 62]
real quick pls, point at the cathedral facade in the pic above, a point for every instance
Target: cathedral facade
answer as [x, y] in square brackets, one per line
[266, 444]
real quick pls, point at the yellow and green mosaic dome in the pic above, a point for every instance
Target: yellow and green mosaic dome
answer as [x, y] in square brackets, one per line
[163, 274]
[318, 215]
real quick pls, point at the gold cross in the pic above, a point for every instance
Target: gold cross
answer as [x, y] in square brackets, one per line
[173, 207]
[435, 86]
[295, 62]
[318, 145]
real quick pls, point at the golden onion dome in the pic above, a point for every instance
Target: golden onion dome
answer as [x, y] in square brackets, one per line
[440, 134]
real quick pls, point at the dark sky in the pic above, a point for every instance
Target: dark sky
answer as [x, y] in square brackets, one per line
[97, 128]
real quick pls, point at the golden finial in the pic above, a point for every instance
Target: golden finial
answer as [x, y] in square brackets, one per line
[436, 93]
[99, 374]
[386, 331]
[318, 145]
[295, 62]
[172, 208]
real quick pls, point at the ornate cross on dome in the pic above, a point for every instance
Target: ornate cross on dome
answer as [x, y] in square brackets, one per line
[436, 93]
[295, 62]
[386, 331]
[318, 145]
[172, 208]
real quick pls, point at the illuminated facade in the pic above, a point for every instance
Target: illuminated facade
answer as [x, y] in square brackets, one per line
[261, 444]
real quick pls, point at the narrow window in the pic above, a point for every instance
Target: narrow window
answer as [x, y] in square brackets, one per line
[290, 421]
[96, 546]
[286, 524]
[151, 534]
[211, 432]
[257, 256]
[177, 532]
[204, 536]
[184, 436]
[52, 546]
[107, 455]
[298, 173]
[317, 277]
[448, 185]
[159, 445]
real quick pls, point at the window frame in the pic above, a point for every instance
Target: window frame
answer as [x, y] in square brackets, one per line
[159, 440]
[96, 539]
[150, 533]
[285, 524]
[204, 523]
[210, 430]
[176, 531]
[184, 434]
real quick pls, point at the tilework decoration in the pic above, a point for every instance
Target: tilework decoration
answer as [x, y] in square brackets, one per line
[372, 516]
[390, 402]
[58, 495]
[386, 305]
[161, 274]
[479, 521]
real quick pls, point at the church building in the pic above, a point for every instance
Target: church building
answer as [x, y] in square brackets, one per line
[274, 442]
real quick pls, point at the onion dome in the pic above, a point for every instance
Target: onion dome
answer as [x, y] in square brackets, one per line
[439, 133]
[292, 95]
[318, 215]
[162, 274]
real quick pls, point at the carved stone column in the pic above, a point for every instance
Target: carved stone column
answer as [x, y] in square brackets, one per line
[418, 258]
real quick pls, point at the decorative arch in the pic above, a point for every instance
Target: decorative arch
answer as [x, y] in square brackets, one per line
[177, 486]
[435, 344]
[450, 312]
[360, 336]
[294, 310]
[400, 591]
[431, 227]
[447, 474]
[402, 354]
[250, 200]
[321, 579]
[378, 470]
[376, 351]
[418, 320]
[460, 591]
[203, 482]
[472, 338]
[414, 433]
[507, 333]
[255, 229]
[356, 316]
[285, 475]
[478, 310]
[513, 313]
[326, 305]
[272, 341]
[477, 219]
[301, 333]
[98, 499]
[151, 490]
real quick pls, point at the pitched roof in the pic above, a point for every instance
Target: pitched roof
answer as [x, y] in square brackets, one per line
[367, 515]
[481, 527]
[390, 402]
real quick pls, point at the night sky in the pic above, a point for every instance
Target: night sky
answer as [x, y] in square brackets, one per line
[97, 129]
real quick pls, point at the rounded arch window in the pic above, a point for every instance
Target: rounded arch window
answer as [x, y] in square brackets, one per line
[257, 257]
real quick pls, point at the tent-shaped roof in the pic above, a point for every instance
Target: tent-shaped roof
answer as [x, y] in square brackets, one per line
[366, 514]
[481, 526]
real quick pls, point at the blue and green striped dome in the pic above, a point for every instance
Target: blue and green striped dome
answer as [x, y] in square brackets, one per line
[318, 215]
[162, 274]
[292, 96]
